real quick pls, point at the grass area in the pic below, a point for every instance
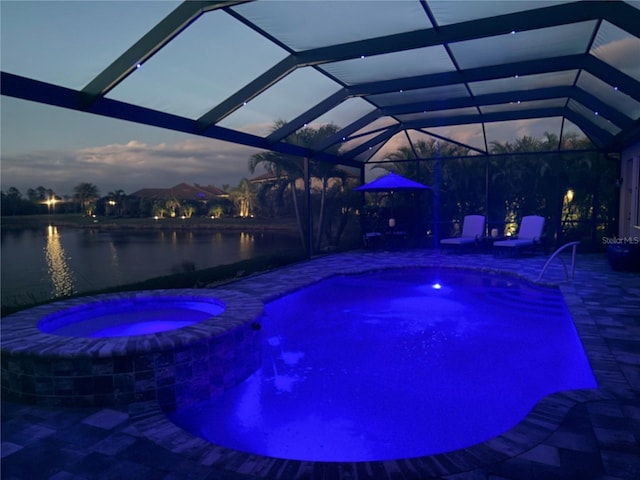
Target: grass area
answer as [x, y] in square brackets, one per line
[190, 279]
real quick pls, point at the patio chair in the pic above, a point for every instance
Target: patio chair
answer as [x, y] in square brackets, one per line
[472, 232]
[529, 235]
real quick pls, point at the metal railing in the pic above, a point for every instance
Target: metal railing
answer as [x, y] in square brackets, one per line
[573, 260]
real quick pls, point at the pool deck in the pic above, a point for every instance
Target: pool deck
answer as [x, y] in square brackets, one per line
[590, 434]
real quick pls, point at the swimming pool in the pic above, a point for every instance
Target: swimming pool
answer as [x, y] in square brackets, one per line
[394, 364]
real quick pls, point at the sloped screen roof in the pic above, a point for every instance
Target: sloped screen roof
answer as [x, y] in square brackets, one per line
[470, 72]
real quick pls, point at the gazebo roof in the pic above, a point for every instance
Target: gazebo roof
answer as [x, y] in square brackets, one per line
[387, 73]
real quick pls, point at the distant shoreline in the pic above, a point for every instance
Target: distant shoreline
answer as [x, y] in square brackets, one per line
[110, 223]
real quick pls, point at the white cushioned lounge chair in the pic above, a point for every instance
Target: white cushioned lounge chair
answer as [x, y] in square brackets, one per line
[529, 235]
[472, 231]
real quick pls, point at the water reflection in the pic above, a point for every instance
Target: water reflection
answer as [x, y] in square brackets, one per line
[93, 259]
[113, 251]
[246, 243]
[57, 264]
[114, 262]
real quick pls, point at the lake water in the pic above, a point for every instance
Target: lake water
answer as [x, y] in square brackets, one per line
[48, 262]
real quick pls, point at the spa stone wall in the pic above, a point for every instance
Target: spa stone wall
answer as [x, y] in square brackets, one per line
[175, 378]
[177, 368]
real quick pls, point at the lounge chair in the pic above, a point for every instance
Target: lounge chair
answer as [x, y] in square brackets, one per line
[472, 231]
[529, 235]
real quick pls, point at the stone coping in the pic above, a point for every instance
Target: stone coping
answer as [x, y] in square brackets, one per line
[21, 335]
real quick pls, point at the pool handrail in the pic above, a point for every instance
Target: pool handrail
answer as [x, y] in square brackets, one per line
[573, 260]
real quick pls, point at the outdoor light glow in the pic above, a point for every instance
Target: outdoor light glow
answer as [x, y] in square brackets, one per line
[436, 286]
[138, 65]
[569, 196]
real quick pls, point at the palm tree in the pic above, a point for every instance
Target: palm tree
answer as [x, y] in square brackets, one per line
[403, 164]
[538, 184]
[341, 203]
[243, 197]
[215, 211]
[443, 166]
[324, 171]
[11, 201]
[86, 194]
[188, 210]
[288, 168]
[116, 200]
[291, 168]
[158, 209]
[172, 205]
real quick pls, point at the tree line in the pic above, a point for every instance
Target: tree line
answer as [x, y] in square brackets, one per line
[86, 199]
[566, 181]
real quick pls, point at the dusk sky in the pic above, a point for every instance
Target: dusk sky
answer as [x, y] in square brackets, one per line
[58, 149]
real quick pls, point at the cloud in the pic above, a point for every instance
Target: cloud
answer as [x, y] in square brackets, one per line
[622, 54]
[129, 166]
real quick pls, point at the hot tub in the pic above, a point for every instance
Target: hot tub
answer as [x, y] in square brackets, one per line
[125, 317]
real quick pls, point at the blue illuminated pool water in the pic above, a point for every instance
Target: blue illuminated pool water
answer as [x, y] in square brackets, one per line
[128, 317]
[383, 365]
